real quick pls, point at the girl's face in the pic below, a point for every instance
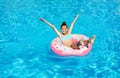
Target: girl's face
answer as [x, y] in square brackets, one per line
[64, 29]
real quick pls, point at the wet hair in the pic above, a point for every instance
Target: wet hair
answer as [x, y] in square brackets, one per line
[63, 23]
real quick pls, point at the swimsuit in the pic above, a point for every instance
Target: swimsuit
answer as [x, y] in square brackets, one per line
[66, 37]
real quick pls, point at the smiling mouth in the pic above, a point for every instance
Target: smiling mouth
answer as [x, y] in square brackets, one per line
[64, 31]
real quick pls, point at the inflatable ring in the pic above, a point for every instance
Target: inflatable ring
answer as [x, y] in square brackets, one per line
[62, 50]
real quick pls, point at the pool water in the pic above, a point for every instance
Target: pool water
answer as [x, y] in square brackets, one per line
[25, 40]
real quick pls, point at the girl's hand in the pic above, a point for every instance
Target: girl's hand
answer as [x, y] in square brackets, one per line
[42, 19]
[78, 15]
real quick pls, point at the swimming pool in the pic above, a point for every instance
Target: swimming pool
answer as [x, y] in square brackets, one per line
[25, 41]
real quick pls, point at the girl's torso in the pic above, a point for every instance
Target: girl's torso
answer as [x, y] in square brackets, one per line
[67, 40]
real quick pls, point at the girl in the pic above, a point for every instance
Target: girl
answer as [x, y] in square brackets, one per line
[66, 36]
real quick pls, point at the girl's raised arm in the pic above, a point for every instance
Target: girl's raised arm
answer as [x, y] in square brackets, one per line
[72, 24]
[51, 25]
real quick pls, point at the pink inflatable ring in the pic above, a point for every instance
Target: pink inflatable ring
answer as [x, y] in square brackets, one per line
[60, 49]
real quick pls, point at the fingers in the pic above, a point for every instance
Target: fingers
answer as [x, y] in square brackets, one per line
[42, 19]
[78, 15]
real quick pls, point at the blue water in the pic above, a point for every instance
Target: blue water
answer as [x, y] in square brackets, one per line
[25, 41]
